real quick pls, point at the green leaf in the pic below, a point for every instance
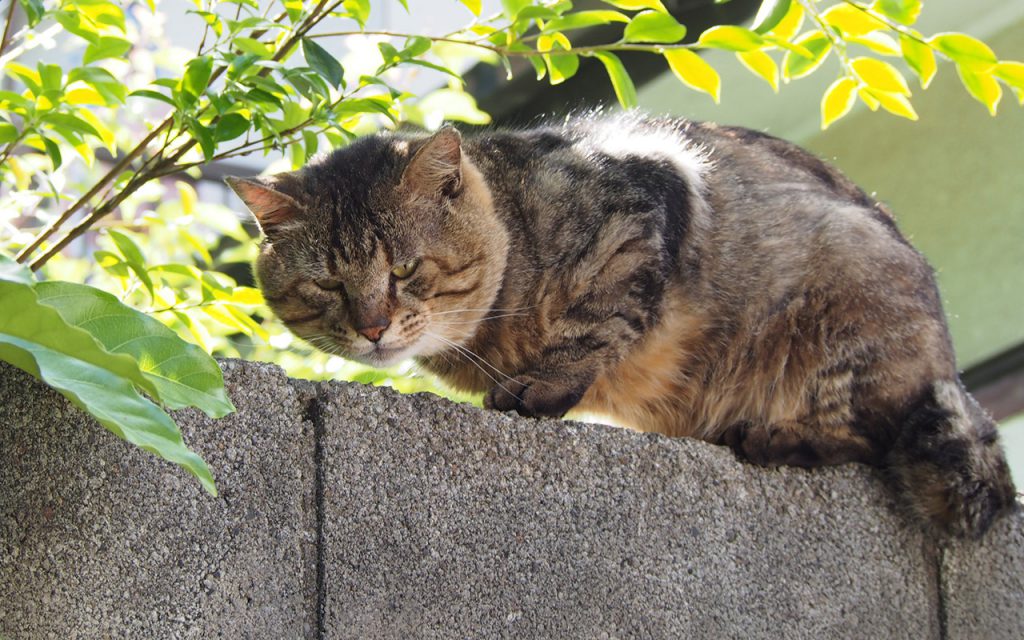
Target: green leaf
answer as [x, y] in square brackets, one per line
[323, 62]
[152, 95]
[230, 127]
[13, 271]
[582, 20]
[731, 38]
[183, 374]
[880, 75]
[770, 15]
[106, 47]
[252, 46]
[654, 26]
[204, 137]
[796, 66]
[197, 75]
[920, 58]
[359, 10]
[761, 64]
[561, 66]
[472, 5]
[982, 85]
[38, 340]
[694, 72]
[511, 8]
[133, 257]
[34, 11]
[70, 19]
[8, 133]
[53, 152]
[621, 82]
[112, 90]
[71, 122]
[634, 5]
[905, 11]
[51, 77]
[839, 98]
[965, 50]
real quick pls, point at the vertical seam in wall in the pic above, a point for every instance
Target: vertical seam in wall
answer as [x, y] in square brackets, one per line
[939, 554]
[314, 414]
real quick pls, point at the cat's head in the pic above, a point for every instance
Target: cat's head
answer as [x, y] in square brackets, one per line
[385, 249]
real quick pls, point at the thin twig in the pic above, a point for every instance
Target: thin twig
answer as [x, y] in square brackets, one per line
[7, 26]
[161, 167]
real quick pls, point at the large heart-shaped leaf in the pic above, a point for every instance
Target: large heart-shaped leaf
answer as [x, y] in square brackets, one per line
[183, 374]
[36, 339]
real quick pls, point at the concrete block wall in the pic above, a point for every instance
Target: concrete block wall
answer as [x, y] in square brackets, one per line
[352, 512]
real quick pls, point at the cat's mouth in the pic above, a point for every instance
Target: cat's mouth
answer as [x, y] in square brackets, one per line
[383, 356]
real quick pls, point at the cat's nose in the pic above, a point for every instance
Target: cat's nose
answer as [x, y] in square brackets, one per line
[374, 333]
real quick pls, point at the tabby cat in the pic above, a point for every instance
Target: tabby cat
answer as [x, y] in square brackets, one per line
[683, 277]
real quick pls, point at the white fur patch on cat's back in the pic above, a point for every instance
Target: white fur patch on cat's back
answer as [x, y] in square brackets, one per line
[624, 136]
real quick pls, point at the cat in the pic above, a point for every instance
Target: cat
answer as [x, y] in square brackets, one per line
[682, 277]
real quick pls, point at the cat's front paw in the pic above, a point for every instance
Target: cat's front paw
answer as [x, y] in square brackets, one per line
[534, 397]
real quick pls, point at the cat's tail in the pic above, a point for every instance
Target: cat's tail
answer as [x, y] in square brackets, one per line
[949, 465]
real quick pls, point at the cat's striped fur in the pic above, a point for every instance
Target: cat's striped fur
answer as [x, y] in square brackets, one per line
[684, 278]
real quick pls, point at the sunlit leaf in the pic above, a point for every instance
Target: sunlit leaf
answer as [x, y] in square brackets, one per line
[838, 100]
[582, 20]
[731, 38]
[621, 82]
[561, 66]
[982, 85]
[106, 47]
[790, 24]
[920, 58]
[905, 11]
[880, 75]
[761, 64]
[851, 20]
[694, 72]
[796, 66]
[895, 103]
[1012, 73]
[965, 50]
[770, 15]
[654, 26]
[635, 5]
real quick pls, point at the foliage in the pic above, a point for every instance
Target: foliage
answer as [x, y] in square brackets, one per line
[87, 150]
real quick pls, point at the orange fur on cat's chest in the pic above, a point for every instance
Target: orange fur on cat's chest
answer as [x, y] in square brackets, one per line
[644, 390]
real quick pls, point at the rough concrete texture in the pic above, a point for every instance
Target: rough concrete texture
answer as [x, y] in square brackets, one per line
[352, 512]
[98, 539]
[441, 521]
[983, 584]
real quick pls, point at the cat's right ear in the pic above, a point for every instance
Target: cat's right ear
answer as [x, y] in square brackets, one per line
[272, 208]
[436, 167]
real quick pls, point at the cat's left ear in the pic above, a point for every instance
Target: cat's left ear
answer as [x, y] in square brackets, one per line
[436, 167]
[263, 197]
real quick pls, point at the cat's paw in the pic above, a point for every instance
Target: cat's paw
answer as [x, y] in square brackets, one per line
[534, 397]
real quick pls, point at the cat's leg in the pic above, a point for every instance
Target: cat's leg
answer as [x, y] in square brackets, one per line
[601, 312]
[822, 429]
[791, 444]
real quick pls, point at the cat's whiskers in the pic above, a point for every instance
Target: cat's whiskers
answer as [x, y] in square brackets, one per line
[473, 359]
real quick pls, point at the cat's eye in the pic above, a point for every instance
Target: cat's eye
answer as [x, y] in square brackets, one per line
[328, 284]
[405, 270]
